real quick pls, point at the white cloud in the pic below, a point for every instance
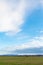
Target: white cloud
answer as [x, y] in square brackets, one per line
[34, 43]
[10, 20]
[4, 52]
[12, 14]
[37, 42]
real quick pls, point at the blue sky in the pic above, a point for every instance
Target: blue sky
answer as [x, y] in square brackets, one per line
[21, 27]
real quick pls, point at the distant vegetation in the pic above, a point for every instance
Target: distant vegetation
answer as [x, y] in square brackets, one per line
[21, 60]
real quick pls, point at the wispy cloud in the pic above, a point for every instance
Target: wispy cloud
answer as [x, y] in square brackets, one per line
[33, 43]
[41, 3]
[36, 43]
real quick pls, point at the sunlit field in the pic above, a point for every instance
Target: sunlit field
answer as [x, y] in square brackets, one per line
[21, 60]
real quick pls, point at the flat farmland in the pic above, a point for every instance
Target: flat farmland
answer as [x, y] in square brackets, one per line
[21, 60]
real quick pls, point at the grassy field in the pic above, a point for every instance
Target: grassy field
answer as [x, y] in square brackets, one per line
[21, 60]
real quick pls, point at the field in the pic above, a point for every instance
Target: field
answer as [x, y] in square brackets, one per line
[21, 60]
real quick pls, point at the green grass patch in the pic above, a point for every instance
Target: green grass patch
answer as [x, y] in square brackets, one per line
[21, 60]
